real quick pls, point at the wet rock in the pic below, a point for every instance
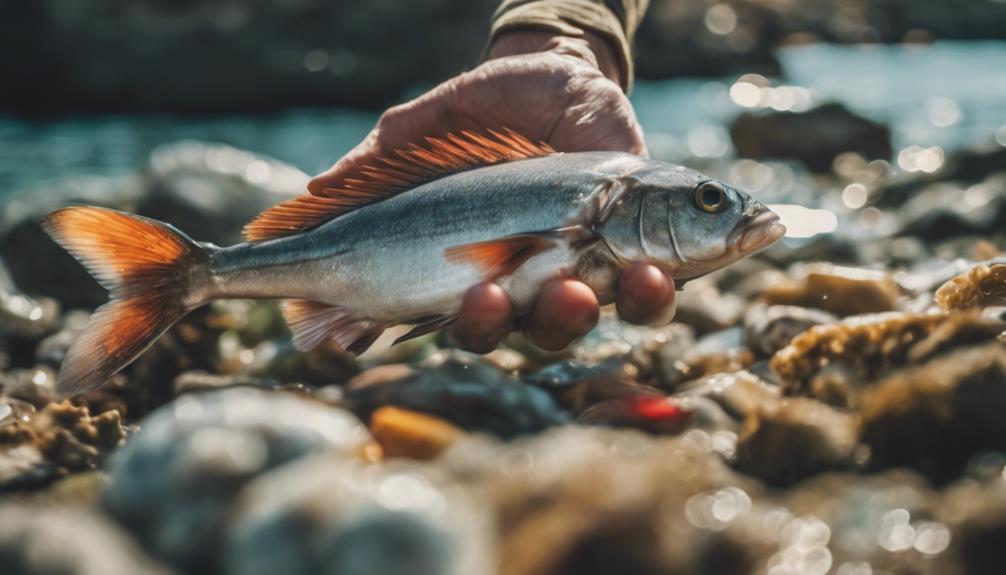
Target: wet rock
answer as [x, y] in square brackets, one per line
[769, 328]
[883, 523]
[947, 210]
[35, 386]
[37, 540]
[560, 376]
[509, 361]
[814, 137]
[614, 339]
[326, 515]
[702, 306]
[984, 285]
[840, 290]
[404, 433]
[22, 316]
[740, 394]
[719, 352]
[462, 389]
[197, 381]
[61, 438]
[173, 481]
[834, 362]
[792, 440]
[977, 514]
[928, 275]
[52, 350]
[208, 190]
[935, 416]
[631, 515]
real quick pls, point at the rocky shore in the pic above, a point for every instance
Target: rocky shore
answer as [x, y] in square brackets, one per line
[810, 411]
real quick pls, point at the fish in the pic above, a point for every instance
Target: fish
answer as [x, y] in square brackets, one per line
[401, 241]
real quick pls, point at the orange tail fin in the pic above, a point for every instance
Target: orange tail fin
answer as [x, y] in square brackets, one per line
[148, 268]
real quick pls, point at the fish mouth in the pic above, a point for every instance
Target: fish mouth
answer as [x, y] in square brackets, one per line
[758, 232]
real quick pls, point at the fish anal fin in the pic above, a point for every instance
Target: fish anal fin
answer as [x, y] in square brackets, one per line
[427, 325]
[501, 257]
[313, 323]
[392, 174]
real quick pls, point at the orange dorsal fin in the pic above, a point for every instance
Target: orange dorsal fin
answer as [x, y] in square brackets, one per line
[392, 175]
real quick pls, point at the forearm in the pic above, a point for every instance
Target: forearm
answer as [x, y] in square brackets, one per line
[608, 26]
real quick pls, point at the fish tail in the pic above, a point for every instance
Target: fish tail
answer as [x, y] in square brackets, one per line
[153, 272]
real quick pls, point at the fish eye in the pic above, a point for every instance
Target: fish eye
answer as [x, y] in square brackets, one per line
[711, 197]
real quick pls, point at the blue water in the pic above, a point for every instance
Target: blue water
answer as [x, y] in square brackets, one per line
[905, 86]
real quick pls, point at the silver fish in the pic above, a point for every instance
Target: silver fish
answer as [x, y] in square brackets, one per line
[402, 243]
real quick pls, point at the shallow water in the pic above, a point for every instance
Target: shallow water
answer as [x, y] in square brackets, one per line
[949, 94]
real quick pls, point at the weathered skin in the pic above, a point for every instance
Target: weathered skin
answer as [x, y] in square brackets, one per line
[386, 260]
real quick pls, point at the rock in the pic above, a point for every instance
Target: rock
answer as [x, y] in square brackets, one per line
[702, 306]
[173, 481]
[835, 362]
[35, 386]
[840, 290]
[208, 190]
[22, 316]
[946, 210]
[814, 137]
[769, 328]
[633, 514]
[719, 352]
[404, 433]
[967, 166]
[326, 515]
[976, 513]
[983, 286]
[884, 523]
[786, 442]
[935, 416]
[199, 381]
[462, 389]
[740, 394]
[52, 350]
[59, 439]
[36, 540]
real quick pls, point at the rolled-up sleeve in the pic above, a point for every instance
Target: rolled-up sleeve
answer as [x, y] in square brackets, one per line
[614, 20]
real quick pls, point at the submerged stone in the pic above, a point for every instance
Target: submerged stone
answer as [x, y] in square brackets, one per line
[173, 481]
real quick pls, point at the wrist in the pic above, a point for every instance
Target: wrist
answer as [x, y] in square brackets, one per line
[592, 47]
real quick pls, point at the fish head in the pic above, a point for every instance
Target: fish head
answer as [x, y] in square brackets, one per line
[687, 223]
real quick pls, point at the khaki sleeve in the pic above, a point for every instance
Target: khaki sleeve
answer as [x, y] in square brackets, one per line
[615, 20]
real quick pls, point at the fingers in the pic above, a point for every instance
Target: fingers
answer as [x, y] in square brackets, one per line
[566, 310]
[485, 319]
[645, 295]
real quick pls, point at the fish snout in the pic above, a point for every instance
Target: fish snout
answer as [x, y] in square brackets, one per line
[757, 229]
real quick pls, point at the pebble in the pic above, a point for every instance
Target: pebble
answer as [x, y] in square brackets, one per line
[173, 481]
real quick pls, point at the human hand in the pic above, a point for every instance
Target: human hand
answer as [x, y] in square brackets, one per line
[554, 89]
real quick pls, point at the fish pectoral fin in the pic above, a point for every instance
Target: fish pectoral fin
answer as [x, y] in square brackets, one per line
[427, 325]
[312, 323]
[499, 258]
